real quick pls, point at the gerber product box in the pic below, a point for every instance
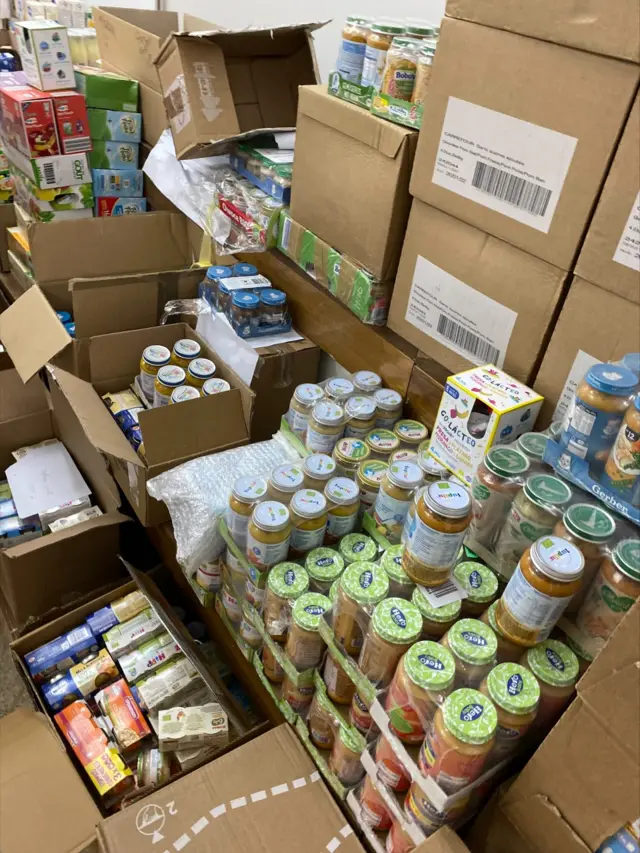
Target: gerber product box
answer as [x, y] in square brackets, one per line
[115, 125]
[120, 206]
[107, 91]
[117, 183]
[479, 408]
[61, 654]
[44, 51]
[114, 155]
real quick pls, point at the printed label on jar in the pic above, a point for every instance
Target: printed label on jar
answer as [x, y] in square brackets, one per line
[238, 525]
[265, 555]
[506, 741]
[602, 610]
[320, 443]
[298, 422]
[160, 399]
[388, 773]
[431, 547]
[350, 59]
[390, 512]
[451, 769]
[305, 540]
[530, 608]
[355, 432]
[147, 383]
[340, 525]
[249, 633]
[208, 577]
[591, 431]
[360, 716]
[231, 605]
[233, 562]
[254, 594]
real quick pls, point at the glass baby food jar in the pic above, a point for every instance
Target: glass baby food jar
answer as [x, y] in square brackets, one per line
[390, 769]
[215, 386]
[366, 382]
[357, 547]
[400, 585]
[508, 651]
[338, 389]
[343, 498]
[308, 510]
[298, 696]
[411, 434]
[497, 481]
[247, 491]
[434, 534]
[168, 378]
[352, 47]
[320, 721]
[418, 806]
[272, 666]
[399, 76]
[324, 566]
[344, 760]
[615, 589]
[273, 307]
[305, 646]
[184, 393]
[361, 414]
[268, 535]
[286, 583]
[388, 408]
[372, 807]
[533, 445]
[223, 300]
[199, 370]
[480, 584]
[368, 477]
[622, 469]
[348, 454]
[340, 688]
[394, 626]
[515, 692]
[548, 574]
[153, 358]
[424, 64]
[397, 491]
[362, 585]
[379, 40]
[556, 668]
[403, 455]
[436, 621]
[284, 481]
[459, 740]
[247, 630]
[325, 427]
[382, 443]
[318, 469]
[304, 399]
[184, 351]
[424, 676]
[432, 470]
[474, 647]
[232, 604]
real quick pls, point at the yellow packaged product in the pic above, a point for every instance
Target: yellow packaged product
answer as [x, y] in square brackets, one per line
[399, 77]
[199, 371]
[167, 380]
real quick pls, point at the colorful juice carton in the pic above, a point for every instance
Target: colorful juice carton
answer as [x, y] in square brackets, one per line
[114, 155]
[117, 704]
[46, 205]
[120, 206]
[29, 122]
[117, 183]
[114, 125]
[45, 55]
[106, 91]
[58, 171]
[61, 654]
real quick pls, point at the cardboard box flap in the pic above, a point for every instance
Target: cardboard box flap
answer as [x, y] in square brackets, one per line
[615, 699]
[17, 399]
[31, 333]
[161, 24]
[107, 519]
[622, 649]
[544, 827]
[381, 135]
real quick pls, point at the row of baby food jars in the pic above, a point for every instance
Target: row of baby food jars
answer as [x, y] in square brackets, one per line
[173, 376]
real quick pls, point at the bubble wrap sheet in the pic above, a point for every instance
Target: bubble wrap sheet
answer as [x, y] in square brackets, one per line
[197, 494]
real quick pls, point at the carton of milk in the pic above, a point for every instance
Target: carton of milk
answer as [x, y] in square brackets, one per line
[480, 407]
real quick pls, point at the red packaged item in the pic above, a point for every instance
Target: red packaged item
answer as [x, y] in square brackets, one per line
[29, 121]
[72, 121]
[117, 704]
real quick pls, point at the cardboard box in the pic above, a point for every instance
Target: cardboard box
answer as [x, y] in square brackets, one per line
[107, 91]
[351, 179]
[523, 162]
[45, 54]
[60, 170]
[51, 204]
[593, 326]
[218, 85]
[610, 28]
[152, 109]
[464, 297]
[114, 126]
[610, 255]
[444, 840]
[7, 220]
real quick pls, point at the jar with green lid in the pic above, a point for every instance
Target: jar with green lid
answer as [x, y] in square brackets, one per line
[399, 76]
[436, 621]
[432, 470]
[379, 39]
[397, 490]
[362, 586]
[382, 443]
[298, 696]
[348, 454]
[338, 389]
[343, 500]
[480, 584]
[357, 547]
[496, 482]
[556, 667]
[308, 511]
[272, 666]
[320, 721]
[305, 646]
[515, 692]
[532, 515]
[411, 433]
[344, 760]
[361, 416]
[340, 688]
[400, 584]
[318, 469]
[533, 445]
[286, 583]
[167, 380]
[333, 590]
[153, 358]
[508, 651]
[325, 427]
[419, 29]
[474, 647]
[388, 408]
[366, 382]
[394, 626]
[368, 478]
[324, 566]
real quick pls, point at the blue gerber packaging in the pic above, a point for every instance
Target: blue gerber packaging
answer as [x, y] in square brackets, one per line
[208, 287]
[119, 206]
[117, 183]
[61, 654]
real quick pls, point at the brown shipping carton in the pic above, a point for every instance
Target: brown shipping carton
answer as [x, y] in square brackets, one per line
[444, 840]
[610, 27]
[7, 220]
[220, 85]
[464, 297]
[43, 803]
[593, 326]
[524, 161]
[351, 179]
[610, 256]
[265, 795]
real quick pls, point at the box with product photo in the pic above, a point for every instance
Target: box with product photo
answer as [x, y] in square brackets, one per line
[524, 162]
[114, 126]
[105, 90]
[57, 203]
[45, 54]
[40, 124]
[60, 170]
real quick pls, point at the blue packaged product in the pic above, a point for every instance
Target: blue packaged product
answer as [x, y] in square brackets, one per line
[71, 329]
[7, 506]
[114, 155]
[244, 269]
[208, 288]
[117, 183]
[60, 692]
[274, 307]
[245, 312]
[102, 620]
[63, 316]
[114, 125]
[223, 298]
[60, 654]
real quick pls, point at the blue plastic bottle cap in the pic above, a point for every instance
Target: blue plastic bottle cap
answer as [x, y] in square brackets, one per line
[244, 269]
[632, 362]
[272, 297]
[612, 379]
[63, 316]
[245, 299]
[71, 329]
[219, 272]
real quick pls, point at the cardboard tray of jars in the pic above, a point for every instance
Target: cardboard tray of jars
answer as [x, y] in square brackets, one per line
[384, 106]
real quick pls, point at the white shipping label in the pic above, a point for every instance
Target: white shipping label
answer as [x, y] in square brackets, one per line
[582, 362]
[628, 251]
[457, 316]
[509, 165]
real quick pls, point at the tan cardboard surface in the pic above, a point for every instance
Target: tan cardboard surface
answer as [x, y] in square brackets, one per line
[525, 284]
[351, 175]
[599, 261]
[611, 27]
[444, 840]
[578, 94]
[7, 220]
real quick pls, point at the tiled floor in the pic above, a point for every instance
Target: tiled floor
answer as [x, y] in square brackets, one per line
[13, 693]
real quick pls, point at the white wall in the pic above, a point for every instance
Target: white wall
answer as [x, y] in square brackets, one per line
[245, 13]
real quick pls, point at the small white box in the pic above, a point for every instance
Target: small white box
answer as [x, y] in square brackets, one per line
[64, 13]
[51, 12]
[78, 16]
[45, 55]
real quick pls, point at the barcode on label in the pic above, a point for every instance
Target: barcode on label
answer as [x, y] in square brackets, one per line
[286, 229]
[468, 341]
[49, 174]
[447, 588]
[75, 146]
[512, 189]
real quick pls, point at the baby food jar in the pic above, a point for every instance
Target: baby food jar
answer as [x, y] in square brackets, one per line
[533, 514]
[480, 584]
[357, 547]
[424, 676]
[368, 477]
[435, 532]
[398, 839]
[338, 389]
[362, 585]
[273, 307]
[325, 427]
[352, 47]
[515, 692]
[372, 808]
[418, 806]
[388, 408]
[184, 351]
[495, 484]
[268, 535]
[533, 445]
[248, 631]
[379, 40]
[284, 482]
[622, 469]
[403, 455]
[320, 721]
[548, 575]
[298, 696]
[557, 668]
[318, 469]
[348, 454]
[168, 378]
[247, 491]
[424, 63]
[399, 76]
[344, 760]
[390, 769]
[366, 382]
[286, 583]
[305, 646]
[223, 300]
[432, 470]
[340, 688]
[411, 434]
[304, 399]
[272, 666]
[436, 621]
[615, 589]
[184, 393]
[400, 585]
[596, 413]
[508, 651]
[459, 740]
[153, 358]
[382, 443]
[199, 370]
[394, 626]
[361, 414]
[397, 490]
[308, 512]
[232, 604]
[215, 386]
[324, 566]
[474, 647]
[343, 497]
